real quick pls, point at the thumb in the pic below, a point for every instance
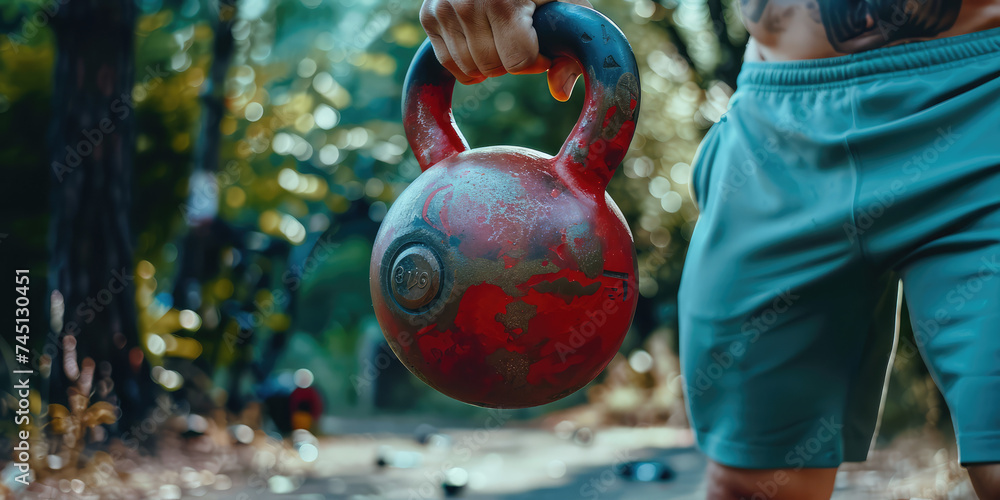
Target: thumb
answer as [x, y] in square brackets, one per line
[562, 78]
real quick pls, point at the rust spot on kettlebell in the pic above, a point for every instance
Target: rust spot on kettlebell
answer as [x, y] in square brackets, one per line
[503, 276]
[623, 102]
[415, 279]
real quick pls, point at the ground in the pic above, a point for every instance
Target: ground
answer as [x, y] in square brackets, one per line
[385, 459]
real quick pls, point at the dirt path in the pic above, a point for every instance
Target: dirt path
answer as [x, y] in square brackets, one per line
[531, 464]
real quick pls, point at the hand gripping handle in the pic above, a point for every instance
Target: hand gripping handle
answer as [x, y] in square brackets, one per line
[602, 135]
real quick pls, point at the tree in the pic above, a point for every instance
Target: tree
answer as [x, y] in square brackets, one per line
[90, 264]
[201, 246]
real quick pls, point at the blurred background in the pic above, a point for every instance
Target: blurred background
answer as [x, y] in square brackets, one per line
[194, 186]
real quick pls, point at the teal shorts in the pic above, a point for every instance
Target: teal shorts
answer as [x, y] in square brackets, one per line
[825, 183]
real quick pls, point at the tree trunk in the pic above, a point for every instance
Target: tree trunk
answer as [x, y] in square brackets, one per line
[200, 250]
[90, 262]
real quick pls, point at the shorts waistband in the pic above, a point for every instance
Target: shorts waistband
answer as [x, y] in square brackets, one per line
[905, 57]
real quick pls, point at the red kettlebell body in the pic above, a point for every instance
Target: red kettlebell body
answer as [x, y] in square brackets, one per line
[502, 276]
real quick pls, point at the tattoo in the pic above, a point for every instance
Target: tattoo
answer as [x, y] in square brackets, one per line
[753, 9]
[778, 18]
[857, 25]
[813, 9]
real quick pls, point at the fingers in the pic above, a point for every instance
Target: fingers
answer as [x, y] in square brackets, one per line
[458, 47]
[482, 47]
[515, 39]
[476, 39]
[440, 20]
[562, 78]
[446, 60]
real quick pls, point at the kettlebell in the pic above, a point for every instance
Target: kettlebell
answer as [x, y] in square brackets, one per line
[502, 276]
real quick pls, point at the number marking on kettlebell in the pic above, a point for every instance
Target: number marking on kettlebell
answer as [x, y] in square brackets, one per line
[416, 277]
[411, 278]
[418, 280]
[452, 301]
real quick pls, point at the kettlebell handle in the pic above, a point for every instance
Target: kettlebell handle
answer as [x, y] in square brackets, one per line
[602, 135]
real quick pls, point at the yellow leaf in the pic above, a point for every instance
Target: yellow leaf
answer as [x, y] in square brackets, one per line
[101, 412]
[57, 411]
[63, 425]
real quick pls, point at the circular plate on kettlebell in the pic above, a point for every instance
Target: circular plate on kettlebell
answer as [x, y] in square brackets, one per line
[502, 276]
[417, 277]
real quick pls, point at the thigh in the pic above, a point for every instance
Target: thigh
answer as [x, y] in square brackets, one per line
[795, 381]
[952, 287]
[929, 206]
[781, 365]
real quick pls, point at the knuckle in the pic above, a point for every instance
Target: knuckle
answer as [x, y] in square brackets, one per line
[447, 61]
[520, 60]
[492, 69]
[466, 67]
[487, 57]
[427, 17]
[444, 57]
[501, 10]
[466, 9]
[442, 10]
[454, 31]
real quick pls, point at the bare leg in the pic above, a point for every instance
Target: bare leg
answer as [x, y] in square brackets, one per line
[986, 480]
[728, 483]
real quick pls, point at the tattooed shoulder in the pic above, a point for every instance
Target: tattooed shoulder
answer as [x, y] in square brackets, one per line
[857, 25]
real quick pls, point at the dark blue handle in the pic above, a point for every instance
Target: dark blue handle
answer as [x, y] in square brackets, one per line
[598, 142]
